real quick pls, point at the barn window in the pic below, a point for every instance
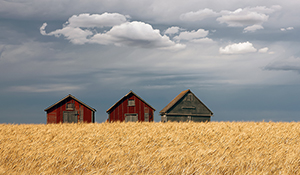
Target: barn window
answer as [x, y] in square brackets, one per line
[189, 97]
[131, 117]
[131, 103]
[70, 106]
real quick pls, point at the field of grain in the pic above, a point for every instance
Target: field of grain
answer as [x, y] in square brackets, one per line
[151, 148]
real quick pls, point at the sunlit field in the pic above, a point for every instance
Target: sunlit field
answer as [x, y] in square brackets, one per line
[151, 148]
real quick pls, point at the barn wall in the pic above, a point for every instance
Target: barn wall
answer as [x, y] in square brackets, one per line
[189, 104]
[51, 116]
[117, 113]
[187, 118]
[201, 119]
[87, 115]
[55, 115]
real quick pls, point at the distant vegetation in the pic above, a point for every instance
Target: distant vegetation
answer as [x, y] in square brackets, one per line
[151, 148]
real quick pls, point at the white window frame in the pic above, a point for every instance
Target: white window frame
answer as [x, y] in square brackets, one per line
[131, 102]
[70, 108]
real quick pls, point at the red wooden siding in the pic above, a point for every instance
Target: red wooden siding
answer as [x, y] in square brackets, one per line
[118, 111]
[55, 113]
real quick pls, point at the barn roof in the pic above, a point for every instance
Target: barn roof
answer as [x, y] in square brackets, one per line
[179, 97]
[127, 96]
[71, 96]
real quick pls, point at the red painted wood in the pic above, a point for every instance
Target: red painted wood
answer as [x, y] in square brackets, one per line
[117, 113]
[55, 114]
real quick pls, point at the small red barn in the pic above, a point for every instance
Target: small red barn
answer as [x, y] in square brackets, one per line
[70, 110]
[131, 108]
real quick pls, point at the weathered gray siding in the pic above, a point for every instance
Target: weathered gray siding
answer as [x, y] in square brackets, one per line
[189, 104]
[201, 119]
[186, 107]
[187, 119]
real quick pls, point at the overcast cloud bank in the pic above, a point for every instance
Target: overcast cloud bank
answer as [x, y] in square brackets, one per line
[241, 58]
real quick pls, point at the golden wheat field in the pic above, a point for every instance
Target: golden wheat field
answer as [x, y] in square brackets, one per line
[151, 148]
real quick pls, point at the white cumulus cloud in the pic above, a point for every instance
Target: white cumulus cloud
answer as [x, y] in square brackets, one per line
[288, 28]
[75, 35]
[253, 18]
[263, 50]
[253, 28]
[96, 20]
[200, 33]
[79, 30]
[242, 17]
[135, 34]
[198, 15]
[172, 30]
[239, 48]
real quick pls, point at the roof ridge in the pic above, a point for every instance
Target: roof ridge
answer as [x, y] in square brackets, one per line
[179, 97]
[69, 95]
[130, 92]
[175, 100]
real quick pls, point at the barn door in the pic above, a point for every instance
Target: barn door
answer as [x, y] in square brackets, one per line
[65, 117]
[70, 117]
[131, 117]
[73, 117]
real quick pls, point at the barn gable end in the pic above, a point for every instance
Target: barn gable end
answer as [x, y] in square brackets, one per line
[132, 108]
[186, 107]
[70, 110]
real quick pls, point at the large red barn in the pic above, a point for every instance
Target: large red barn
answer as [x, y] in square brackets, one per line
[70, 110]
[131, 108]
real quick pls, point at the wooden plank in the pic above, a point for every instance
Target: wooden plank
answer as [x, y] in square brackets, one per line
[65, 117]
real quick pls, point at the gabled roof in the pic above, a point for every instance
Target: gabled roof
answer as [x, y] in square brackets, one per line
[71, 96]
[126, 97]
[178, 98]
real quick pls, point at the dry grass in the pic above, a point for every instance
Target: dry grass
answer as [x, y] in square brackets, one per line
[151, 148]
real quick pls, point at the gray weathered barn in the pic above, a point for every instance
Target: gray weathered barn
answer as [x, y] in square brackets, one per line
[186, 107]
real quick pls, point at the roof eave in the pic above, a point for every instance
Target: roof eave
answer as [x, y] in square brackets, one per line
[130, 92]
[74, 99]
[174, 101]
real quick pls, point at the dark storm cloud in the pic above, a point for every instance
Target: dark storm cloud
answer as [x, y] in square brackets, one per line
[287, 64]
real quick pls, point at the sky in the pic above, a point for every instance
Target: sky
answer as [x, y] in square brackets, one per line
[240, 58]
